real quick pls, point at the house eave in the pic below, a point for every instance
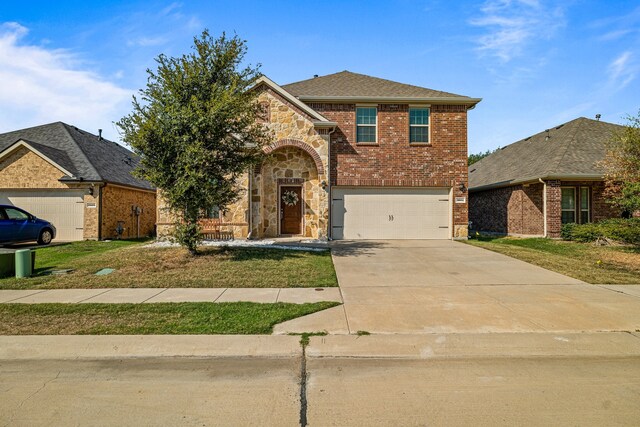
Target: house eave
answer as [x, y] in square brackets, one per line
[501, 184]
[319, 124]
[392, 100]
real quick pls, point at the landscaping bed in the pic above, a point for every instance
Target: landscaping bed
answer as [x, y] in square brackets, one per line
[137, 266]
[583, 261]
[159, 318]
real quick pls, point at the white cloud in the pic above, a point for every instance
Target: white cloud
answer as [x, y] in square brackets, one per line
[622, 70]
[511, 25]
[41, 85]
[147, 41]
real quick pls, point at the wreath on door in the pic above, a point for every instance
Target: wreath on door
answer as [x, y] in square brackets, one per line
[290, 198]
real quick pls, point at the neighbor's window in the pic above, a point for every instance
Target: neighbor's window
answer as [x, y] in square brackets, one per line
[419, 125]
[584, 205]
[568, 205]
[366, 124]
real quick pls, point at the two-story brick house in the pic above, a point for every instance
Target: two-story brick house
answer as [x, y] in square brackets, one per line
[356, 157]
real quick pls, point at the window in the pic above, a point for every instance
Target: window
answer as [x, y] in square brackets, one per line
[366, 124]
[568, 204]
[213, 212]
[584, 205]
[16, 214]
[419, 125]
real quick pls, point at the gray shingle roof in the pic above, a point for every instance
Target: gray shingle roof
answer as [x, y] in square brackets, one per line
[572, 150]
[81, 153]
[353, 85]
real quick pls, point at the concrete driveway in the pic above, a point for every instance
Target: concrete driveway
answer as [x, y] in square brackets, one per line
[442, 286]
[419, 263]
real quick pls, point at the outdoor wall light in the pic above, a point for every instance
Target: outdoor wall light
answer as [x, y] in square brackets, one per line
[462, 187]
[323, 184]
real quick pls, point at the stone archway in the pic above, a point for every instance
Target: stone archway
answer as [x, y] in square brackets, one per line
[301, 145]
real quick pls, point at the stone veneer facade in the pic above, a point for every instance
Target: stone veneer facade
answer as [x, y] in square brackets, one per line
[298, 156]
[24, 169]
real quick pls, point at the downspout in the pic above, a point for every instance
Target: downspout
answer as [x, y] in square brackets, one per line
[544, 204]
[250, 204]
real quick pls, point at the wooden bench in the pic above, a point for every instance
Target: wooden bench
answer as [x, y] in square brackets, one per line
[214, 229]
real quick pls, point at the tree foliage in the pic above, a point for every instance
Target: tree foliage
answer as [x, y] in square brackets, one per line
[473, 158]
[622, 167]
[195, 129]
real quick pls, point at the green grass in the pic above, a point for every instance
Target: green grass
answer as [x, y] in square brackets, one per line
[583, 261]
[51, 257]
[159, 318]
[138, 266]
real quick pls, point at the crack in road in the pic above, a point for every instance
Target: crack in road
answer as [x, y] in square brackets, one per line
[30, 396]
[303, 386]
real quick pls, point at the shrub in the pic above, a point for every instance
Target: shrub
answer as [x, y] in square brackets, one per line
[620, 230]
[566, 232]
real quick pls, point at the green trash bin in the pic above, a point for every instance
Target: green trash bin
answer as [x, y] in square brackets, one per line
[24, 263]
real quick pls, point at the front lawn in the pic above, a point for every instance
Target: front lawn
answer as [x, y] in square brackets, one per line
[137, 266]
[583, 261]
[159, 318]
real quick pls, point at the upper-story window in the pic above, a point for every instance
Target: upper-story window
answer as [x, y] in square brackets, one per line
[419, 125]
[366, 123]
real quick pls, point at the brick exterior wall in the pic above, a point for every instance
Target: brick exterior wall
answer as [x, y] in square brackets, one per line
[518, 210]
[509, 210]
[90, 229]
[393, 162]
[116, 206]
[23, 168]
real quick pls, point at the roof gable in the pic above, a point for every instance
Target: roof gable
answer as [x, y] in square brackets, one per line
[570, 150]
[347, 85]
[56, 158]
[84, 156]
[304, 108]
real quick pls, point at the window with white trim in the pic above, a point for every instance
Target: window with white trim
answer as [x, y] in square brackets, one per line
[568, 204]
[419, 125]
[366, 124]
[213, 212]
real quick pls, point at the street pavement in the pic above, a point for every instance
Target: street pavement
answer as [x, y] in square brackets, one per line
[587, 379]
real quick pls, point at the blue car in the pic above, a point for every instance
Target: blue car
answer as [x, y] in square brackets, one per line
[17, 226]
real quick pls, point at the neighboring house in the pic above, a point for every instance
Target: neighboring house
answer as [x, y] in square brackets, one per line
[80, 182]
[533, 186]
[355, 157]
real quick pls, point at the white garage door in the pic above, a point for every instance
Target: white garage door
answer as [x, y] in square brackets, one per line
[63, 208]
[390, 213]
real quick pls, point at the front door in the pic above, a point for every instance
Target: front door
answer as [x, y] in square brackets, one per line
[290, 210]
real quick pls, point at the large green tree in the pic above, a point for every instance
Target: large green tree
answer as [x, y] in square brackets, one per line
[476, 157]
[622, 165]
[194, 127]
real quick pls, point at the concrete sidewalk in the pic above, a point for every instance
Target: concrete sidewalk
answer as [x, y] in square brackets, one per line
[156, 295]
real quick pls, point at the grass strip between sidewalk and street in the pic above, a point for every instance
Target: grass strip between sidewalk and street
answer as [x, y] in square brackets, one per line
[156, 318]
[583, 261]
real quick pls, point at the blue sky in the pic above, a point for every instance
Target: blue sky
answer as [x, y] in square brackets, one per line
[535, 63]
